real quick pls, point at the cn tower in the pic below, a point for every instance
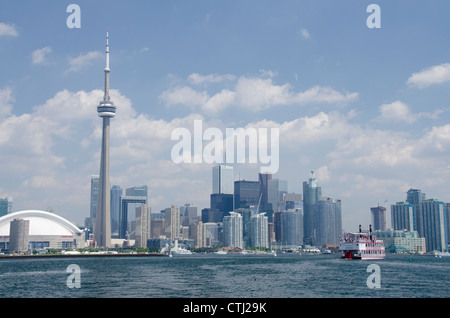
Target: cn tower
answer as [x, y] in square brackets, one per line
[106, 110]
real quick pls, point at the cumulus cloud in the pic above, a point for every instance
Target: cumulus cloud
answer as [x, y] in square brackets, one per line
[39, 56]
[250, 93]
[8, 30]
[399, 111]
[433, 75]
[6, 99]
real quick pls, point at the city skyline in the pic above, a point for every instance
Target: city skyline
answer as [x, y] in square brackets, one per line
[366, 109]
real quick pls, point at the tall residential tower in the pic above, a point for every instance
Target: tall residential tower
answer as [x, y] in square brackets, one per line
[106, 110]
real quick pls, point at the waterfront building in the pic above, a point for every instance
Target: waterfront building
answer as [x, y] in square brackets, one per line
[447, 212]
[403, 216]
[311, 194]
[106, 110]
[434, 225]
[415, 197]
[212, 233]
[223, 179]
[143, 226]
[327, 221]
[172, 222]
[402, 241]
[378, 218]
[19, 231]
[259, 230]
[232, 230]
[288, 227]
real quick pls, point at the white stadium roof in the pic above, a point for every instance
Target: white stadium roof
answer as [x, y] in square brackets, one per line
[41, 223]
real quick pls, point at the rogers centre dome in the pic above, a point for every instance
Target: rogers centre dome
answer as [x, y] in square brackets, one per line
[46, 230]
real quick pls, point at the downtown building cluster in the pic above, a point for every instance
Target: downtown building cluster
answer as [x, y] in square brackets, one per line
[242, 214]
[418, 224]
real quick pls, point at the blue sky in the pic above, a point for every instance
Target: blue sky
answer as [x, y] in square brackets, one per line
[367, 109]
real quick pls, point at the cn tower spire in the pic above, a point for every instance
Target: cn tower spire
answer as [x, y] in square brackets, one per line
[107, 70]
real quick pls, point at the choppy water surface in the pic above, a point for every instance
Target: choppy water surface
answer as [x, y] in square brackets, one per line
[226, 276]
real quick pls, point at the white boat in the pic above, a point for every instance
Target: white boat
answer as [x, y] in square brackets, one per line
[181, 251]
[221, 252]
[362, 246]
[440, 254]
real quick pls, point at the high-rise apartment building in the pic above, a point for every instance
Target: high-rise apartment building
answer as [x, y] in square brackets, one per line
[259, 230]
[143, 226]
[232, 230]
[288, 226]
[434, 225]
[378, 218]
[172, 222]
[403, 216]
[327, 221]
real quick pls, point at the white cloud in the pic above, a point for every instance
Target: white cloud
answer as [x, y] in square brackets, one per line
[6, 98]
[304, 33]
[83, 60]
[39, 56]
[433, 75]
[250, 93]
[397, 112]
[8, 30]
[197, 79]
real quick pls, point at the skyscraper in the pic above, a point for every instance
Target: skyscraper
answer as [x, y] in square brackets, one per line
[223, 179]
[172, 222]
[378, 218]
[94, 199]
[106, 110]
[403, 216]
[246, 194]
[116, 197]
[6, 206]
[259, 230]
[232, 230]
[434, 225]
[276, 189]
[142, 225]
[311, 194]
[263, 186]
[327, 221]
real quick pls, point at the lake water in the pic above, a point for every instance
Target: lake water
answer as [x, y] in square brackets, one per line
[226, 276]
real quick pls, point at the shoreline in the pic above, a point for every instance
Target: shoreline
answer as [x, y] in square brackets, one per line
[80, 255]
